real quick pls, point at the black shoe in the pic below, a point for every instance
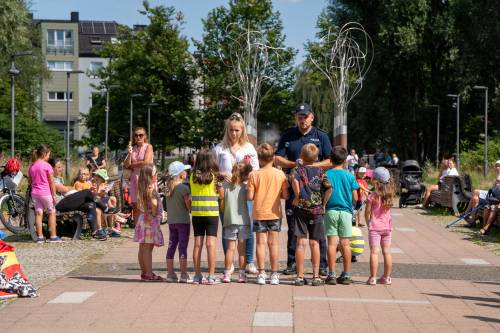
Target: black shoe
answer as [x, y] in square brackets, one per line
[323, 271]
[354, 259]
[317, 282]
[331, 280]
[344, 279]
[339, 260]
[289, 270]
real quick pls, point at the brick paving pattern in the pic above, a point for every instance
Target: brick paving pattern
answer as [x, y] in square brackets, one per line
[441, 283]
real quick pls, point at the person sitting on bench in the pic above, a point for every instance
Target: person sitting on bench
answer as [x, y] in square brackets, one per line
[447, 168]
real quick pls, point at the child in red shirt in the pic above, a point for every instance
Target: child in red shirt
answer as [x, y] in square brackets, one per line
[363, 193]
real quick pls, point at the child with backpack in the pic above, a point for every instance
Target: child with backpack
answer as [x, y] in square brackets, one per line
[178, 200]
[378, 217]
[206, 189]
[236, 222]
[312, 191]
[266, 187]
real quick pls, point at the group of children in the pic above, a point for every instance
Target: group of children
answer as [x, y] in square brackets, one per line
[323, 207]
[44, 196]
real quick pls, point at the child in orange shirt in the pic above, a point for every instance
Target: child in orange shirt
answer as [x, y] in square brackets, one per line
[265, 188]
[82, 181]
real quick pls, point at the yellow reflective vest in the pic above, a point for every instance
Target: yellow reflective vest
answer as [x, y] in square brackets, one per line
[205, 202]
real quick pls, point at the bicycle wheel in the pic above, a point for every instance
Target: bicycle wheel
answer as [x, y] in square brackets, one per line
[12, 213]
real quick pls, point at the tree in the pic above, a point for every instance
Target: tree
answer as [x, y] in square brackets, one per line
[221, 27]
[154, 61]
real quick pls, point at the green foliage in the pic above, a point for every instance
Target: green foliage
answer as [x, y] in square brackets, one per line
[424, 49]
[472, 159]
[219, 83]
[153, 61]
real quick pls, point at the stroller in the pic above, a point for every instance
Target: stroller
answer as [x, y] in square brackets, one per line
[411, 189]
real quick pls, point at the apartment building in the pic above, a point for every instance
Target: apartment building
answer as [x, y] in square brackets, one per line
[70, 45]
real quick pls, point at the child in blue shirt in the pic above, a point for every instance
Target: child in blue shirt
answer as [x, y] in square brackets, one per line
[338, 216]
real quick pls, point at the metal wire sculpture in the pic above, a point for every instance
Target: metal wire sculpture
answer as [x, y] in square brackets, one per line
[348, 57]
[250, 55]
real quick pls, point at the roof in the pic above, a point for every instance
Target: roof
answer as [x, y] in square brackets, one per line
[93, 34]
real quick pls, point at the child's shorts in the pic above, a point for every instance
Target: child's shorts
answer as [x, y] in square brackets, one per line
[338, 223]
[205, 225]
[236, 232]
[266, 225]
[378, 238]
[307, 223]
[43, 203]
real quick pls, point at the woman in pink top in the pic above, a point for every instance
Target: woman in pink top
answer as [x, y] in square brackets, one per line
[378, 217]
[43, 192]
[139, 154]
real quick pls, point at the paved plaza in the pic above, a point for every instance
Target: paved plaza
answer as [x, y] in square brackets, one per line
[441, 283]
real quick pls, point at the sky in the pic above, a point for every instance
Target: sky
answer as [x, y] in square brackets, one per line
[299, 16]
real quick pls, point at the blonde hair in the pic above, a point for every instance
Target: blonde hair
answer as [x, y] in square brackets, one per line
[172, 182]
[386, 192]
[240, 172]
[145, 134]
[79, 174]
[144, 196]
[309, 153]
[235, 117]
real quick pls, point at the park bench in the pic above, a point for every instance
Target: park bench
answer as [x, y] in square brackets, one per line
[454, 192]
[70, 223]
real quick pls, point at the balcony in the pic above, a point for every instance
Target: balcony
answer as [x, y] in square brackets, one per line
[60, 50]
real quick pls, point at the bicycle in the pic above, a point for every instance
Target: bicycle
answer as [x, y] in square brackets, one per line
[12, 205]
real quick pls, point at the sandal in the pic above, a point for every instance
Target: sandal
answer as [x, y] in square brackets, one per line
[152, 278]
[317, 281]
[484, 232]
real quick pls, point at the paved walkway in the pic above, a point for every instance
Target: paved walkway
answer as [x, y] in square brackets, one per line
[441, 283]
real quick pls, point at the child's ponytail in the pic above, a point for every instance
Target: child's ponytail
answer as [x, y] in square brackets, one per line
[386, 193]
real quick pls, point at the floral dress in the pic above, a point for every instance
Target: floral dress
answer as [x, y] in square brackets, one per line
[147, 228]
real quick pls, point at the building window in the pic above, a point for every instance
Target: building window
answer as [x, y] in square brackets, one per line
[59, 96]
[94, 68]
[59, 41]
[60, 65]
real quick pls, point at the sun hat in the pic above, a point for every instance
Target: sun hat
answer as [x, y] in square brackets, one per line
[175, 168]
[497, 162]
[382, 175]
[361, 169]
[303, 108]
[102, 173]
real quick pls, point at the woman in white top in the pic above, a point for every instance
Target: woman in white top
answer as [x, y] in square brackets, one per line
[236, 147]
[450, 170]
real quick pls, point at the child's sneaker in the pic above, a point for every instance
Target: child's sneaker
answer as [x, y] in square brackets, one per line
[331, 279]
[185, 279]
[40, 240]
[275, 279]
[198, 279]
[227, 277]
[384, 280]
[211, 280]
[317, 281]
[113, 233]
[172, 279]
[299, 282]
[372, 280]
[56, 239]
[242, 276]
[261, 278]
[100, 235]
[344, 279]
[251, 269]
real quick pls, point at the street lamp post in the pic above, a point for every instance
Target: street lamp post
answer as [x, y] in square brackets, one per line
[485, 159]
[457, 103]
[438, 107]
[68, 159]
[149, 117]
[107, 120]
[132, 113]
[13, 73]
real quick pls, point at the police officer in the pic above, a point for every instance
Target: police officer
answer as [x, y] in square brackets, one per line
[287, 154]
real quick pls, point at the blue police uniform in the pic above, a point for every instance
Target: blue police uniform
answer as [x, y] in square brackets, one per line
[289, 146]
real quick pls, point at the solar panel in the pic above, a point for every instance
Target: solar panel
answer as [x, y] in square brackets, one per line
[86, 27]
[99, 28]
[110, 28]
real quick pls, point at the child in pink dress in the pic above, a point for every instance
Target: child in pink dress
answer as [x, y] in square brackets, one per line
[378, 217]
[43, 192]
[147, 229]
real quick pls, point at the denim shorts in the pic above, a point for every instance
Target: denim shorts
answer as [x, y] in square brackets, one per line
[266, 225]
[236, 232]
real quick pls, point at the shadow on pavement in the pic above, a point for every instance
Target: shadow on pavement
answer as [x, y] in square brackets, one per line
[495, 301]
[106, 279]
[486, 319]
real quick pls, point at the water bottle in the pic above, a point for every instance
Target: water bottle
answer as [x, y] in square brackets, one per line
[2, 235]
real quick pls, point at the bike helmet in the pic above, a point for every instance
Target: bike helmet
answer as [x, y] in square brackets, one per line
[12, 166]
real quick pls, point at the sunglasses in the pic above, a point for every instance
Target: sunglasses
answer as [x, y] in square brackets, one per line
[235, 116]
[140, 135]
